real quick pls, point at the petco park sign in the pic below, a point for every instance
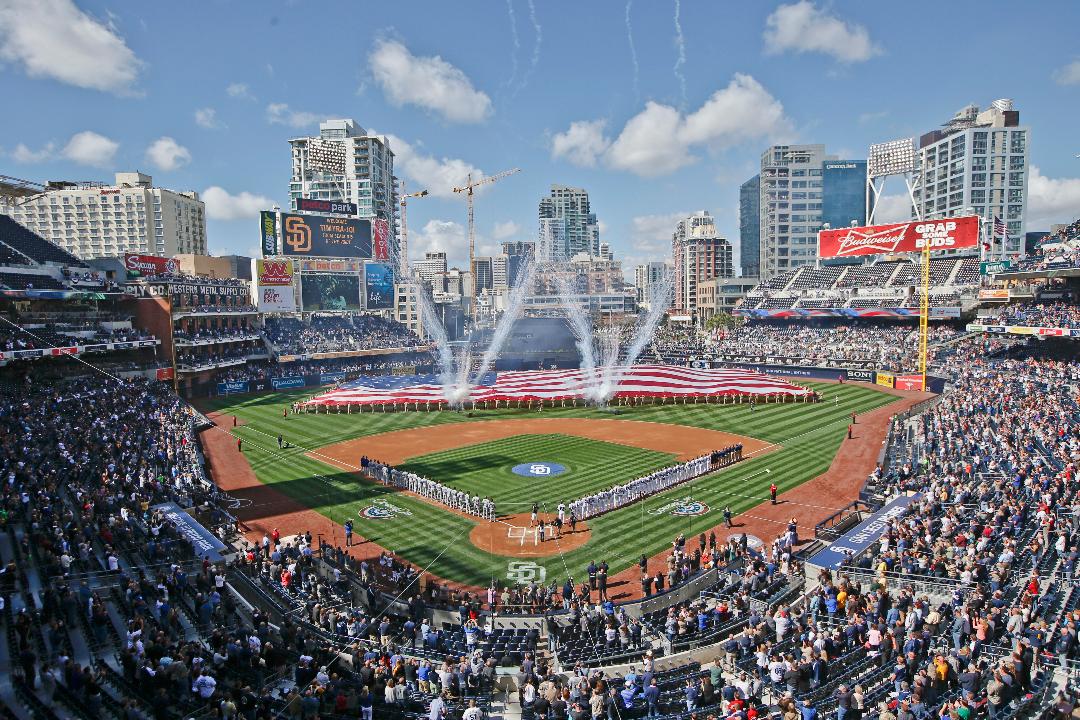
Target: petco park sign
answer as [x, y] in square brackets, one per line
[944, 234]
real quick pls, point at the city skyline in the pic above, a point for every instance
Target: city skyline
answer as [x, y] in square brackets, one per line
[655, 118]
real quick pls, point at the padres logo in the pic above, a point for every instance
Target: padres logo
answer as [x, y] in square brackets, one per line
[690, 507]
[382, 510]
[297, 234]
[539, 469]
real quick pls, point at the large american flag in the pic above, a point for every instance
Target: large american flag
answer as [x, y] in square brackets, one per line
[637, 381]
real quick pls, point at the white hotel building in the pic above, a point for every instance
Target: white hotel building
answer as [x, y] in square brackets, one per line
[92, 220]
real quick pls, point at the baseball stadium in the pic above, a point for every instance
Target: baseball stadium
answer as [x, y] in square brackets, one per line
[553, 453]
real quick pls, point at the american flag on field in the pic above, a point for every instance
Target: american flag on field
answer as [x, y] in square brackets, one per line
[635, 381]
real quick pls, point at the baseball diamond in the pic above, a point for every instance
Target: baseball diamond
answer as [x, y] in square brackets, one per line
[795, 442]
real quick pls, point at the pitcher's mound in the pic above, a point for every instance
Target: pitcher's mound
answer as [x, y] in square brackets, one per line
[515, 536]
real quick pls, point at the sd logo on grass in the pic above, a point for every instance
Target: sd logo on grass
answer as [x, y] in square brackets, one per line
[538, 469]
[383, 510]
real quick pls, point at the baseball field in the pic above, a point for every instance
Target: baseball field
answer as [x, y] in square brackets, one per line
[313, 484]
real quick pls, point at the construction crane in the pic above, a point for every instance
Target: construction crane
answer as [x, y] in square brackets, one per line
[403, 251]
[468, 190]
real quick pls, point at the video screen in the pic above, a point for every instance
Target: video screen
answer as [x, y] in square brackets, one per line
[330, 293]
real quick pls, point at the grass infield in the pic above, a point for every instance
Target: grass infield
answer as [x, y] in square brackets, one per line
[485, 469]
[809, 435]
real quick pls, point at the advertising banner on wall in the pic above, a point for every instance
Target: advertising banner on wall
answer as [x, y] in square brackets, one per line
[274, 285]
[331, 377]
[268, 232]
[944, 234]
[909, 382]
[885, 379]
[378, 286]
[380, 239]
[235, 386]
[861, 375]
[326, 206]
[284, 383]
[1024, 330]
[325, 236]
[150, 265]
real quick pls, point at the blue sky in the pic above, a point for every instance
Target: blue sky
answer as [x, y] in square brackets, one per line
[657, 108]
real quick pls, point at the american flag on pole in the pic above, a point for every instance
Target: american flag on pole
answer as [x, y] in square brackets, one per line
[1000, 229]
[660, 381]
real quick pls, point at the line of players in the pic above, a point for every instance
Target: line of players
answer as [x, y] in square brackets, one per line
[620, 495]
[454, 499]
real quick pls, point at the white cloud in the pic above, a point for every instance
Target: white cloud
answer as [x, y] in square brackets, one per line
[448, 236]
[240, 91]
[802, 27]
[650, 235]
[582, 144]
[436, 175]
[282, 114]
[166, 154]
[427, 82]
[223, 205]
[744, 110]
[649, 144]
[1069, 74]
[206, 118]
[441, 236]
[55, 39]
[1051, 200]
[892, 208]
[23, 154]
[89, 148]
[659, 140]
[504, 230]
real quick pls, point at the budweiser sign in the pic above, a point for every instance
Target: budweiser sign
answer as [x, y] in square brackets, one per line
[944, 234]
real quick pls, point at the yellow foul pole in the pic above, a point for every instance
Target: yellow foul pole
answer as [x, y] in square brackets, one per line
[924, 312]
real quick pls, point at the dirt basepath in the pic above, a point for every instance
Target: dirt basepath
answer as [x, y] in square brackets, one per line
[262, 508]
[809, 503]
[400, 445]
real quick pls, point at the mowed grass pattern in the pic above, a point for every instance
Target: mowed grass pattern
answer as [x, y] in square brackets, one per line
[485, 469]
[810, 435]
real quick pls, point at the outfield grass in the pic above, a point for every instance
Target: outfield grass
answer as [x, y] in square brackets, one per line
[484, 469]
[810, 435]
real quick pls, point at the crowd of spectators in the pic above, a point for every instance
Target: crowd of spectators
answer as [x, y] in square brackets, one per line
[888, 346]
[336, 333]
[264, 370]
[1063, 314]
[30, 336]
[1058, 250]
[211, 335]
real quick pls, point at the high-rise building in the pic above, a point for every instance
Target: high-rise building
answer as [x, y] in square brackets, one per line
[485, 273]
[843, 196]
[434, 263]
[978, 162]
[645, 276]
[367, 161]
[517, 253]
[792, 203]
[92, 220]
[749, 226]
[568, 226]
[699, 254]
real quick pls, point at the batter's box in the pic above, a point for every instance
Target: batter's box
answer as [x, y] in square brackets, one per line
[514, 532]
